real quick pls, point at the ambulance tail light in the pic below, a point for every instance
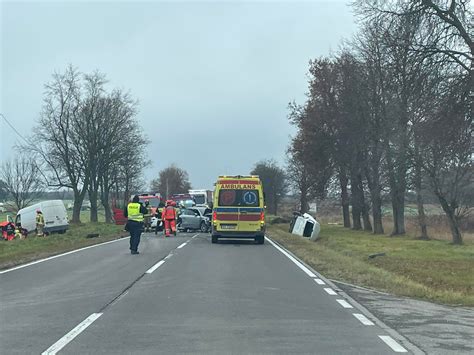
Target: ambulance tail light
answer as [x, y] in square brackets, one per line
[262, 217]
[214, 216]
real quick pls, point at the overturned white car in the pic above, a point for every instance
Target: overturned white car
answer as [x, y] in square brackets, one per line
[305, 225]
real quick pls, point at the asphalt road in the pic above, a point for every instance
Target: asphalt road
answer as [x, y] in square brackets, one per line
[181, 295]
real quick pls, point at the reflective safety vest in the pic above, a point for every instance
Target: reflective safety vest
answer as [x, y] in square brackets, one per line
[169, 213]
[39, 219]
[133, 211]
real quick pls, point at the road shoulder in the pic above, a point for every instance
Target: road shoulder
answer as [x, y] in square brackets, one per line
[434, 328]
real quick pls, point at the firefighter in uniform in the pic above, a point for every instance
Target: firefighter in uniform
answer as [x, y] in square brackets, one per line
[147, 216]
[169, 218]
[39, 224]
[135, 212]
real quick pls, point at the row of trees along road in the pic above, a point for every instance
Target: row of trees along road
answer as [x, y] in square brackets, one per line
[391, 112]
[88, 140]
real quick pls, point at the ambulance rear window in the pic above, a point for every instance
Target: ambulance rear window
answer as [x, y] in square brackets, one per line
[243, 198]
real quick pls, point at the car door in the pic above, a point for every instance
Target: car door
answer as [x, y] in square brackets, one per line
[195, 219]
[183, 215]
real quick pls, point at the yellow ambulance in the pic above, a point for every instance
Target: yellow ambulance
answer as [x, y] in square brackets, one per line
[238, 208]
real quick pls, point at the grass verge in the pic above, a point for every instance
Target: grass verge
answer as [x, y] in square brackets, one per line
[432, 270]
[17, 251]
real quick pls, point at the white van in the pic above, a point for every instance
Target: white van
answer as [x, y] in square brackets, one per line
[203, 198]
[54, 213]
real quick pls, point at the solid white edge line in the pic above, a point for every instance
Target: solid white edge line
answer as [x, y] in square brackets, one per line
[393, 344]
[363, 319]
[300, 265]
[182, 245]
[59, 255]
[344, 303]
[413, 348]
[319, 282]
[154, 267]
[61, 343]
[330, 291]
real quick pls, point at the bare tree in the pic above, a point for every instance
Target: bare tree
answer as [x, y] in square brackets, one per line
[57, 138]
[308, 167]
[119, 133]
[22, 180]
[171, 180]
[447, 153]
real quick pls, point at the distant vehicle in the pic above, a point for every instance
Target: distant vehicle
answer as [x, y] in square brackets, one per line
[202, 197]
[305, 225]
[193, 219]
[238, 208]
[54, 213]
[185, 200]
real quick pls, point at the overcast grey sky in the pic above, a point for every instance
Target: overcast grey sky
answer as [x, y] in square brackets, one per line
[221, 72]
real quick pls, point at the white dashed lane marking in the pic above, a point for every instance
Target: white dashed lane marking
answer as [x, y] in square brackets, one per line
[393, 344]
[363, 319]
[344, 304]
[319, 282]
[330, 291]
[61, 343]
[154, 267]
[182, 245]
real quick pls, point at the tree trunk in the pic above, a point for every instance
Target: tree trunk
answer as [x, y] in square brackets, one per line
[76, 209]
[455, 232]
[377, 215]
[366, 218]
[373, 180]
[304, 206]
[94, 208]
[452, 220]
[419, 196]
[421, 208]
[105, 199]
[357, 197]
[398, 209]
[376, 199]
[343, 181]
[397, 181]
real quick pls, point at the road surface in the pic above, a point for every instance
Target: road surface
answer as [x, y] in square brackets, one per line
[182, 295]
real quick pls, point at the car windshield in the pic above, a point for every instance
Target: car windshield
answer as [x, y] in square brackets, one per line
[199, 199]
[238, 197]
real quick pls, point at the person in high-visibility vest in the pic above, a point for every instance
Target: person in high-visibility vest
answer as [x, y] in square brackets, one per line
[147, 216]
[169, 218]
[39, 224]
[135, 212]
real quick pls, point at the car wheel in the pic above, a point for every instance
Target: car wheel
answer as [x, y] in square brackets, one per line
[203, 227]
[214, 239]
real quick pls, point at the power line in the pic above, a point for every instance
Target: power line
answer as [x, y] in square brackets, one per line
[13, 128]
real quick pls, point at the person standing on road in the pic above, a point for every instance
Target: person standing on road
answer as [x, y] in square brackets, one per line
[147, 216]
[135, 212]
[169, 218]
[39, 224]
